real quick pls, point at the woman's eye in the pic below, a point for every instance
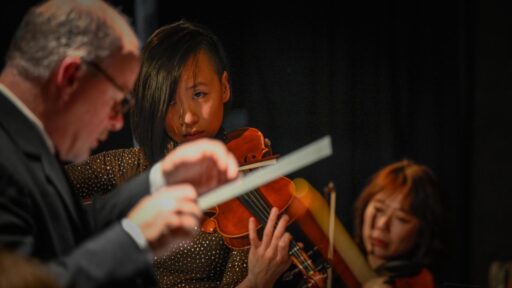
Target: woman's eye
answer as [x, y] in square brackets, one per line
[403, 220]
[378, 209]
[173, 102]
[199, 94]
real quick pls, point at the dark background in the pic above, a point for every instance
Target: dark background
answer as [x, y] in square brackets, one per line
[424, 80]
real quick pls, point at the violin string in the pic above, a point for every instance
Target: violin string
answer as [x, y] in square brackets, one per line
[261, 208]
[296, 250]
[259, 205]
[306, 265]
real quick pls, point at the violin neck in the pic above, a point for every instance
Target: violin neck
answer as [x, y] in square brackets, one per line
[260, 209]
[257, 205]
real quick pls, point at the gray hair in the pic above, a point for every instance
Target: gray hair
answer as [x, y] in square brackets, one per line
[57, 29]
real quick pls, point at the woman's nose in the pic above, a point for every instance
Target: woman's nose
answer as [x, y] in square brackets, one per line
[188, 115]
[383, 221]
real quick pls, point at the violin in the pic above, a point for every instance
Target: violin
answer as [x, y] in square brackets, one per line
[230, 218]
[423, 279]
[404, 274]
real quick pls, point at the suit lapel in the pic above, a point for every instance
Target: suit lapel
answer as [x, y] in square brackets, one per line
[55, 176]
[31, 143]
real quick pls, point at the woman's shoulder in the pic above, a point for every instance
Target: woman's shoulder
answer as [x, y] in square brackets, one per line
[104, 171]
[118, 157]
[119, 154]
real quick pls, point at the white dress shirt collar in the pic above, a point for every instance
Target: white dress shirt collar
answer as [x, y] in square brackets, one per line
[31, 116]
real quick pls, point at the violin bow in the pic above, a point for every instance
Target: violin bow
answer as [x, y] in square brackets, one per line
[292, 162]
[330, 194]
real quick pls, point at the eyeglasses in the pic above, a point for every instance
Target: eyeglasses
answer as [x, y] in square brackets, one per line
[122, 106]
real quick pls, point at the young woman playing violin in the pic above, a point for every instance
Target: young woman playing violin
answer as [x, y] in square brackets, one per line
[180, 96]
[398, 220]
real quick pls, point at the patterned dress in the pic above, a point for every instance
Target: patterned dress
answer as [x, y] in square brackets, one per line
[204, 262]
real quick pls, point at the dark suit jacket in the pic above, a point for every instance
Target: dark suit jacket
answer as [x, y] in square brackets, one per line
[41, 217]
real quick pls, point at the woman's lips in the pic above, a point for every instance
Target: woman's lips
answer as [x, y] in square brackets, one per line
[377, 242]
[193, 135]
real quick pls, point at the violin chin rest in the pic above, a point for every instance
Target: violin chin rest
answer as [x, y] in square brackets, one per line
[208, 226]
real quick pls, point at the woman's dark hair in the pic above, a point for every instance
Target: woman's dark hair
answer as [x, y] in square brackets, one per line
[420, 187]
[163, 58]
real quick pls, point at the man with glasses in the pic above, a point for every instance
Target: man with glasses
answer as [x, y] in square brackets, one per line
[65, 86]
[120, 107]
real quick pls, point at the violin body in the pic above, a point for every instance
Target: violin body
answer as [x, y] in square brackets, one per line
[231, 218]
[423, 279]
[235, 233]
[405, 274]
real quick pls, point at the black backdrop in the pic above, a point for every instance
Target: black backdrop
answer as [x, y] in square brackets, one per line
[425, 80]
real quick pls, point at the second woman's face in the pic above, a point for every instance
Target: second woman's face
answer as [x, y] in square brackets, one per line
[197, 109]
[389, 228]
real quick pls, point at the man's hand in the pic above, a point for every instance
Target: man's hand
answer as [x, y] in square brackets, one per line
[168, 216]
[204, 163]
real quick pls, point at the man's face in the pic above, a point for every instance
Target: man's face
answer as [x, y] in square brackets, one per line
[91, 114]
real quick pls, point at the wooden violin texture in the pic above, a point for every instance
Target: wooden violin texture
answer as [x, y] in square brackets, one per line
[230, 219]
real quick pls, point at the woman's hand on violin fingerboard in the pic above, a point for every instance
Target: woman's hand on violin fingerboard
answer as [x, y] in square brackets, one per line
[204, 163]
[268, 258]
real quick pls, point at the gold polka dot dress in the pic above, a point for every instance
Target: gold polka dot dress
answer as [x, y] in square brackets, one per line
[205, 261]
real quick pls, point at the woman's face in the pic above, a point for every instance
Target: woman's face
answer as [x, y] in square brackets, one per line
[389, 228]
[198, 106]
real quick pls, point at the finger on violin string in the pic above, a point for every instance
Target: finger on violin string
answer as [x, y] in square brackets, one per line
[269, 227]
[280, 230]
[283, 246]
[253, 234]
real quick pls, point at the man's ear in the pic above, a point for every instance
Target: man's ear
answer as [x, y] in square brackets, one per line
[66, 75]
[226, 89]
